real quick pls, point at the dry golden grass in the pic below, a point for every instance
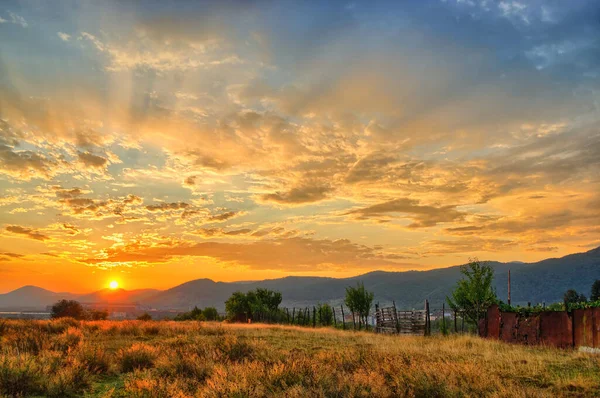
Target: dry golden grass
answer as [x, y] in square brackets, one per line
[64, 358]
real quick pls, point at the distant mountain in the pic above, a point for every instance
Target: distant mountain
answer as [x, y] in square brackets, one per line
[31, 298]
[543, 281]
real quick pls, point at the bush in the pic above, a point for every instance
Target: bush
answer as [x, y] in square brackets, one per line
[138, 356]
[210, 314]
[68, 308]
[94, 359]
[20, 375]
[144, 317]
[69, 339]
[69, 381]
[97, 315]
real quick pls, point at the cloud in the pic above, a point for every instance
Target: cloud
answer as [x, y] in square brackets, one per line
[25, 164]
[26, 232]
[63, 36]
[92, 160]
[225, 216]
[298, 195]
[291, 254]
[15, 19]
[8, 256]
[422, 216]
[216, 232]
[168, 206]
[133, 200]
[159, 56]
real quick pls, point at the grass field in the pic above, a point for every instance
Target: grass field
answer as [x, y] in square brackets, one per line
[166, 359]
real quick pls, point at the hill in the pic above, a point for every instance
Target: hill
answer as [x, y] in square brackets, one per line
[543, 281]
[31, 298]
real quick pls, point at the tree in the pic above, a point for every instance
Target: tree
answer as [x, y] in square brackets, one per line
[242, 306]
[325, 314]
[268, 300]
[97, 315]
[144, 317]
[210, 314]
[595, 295]
[193, 315]
[68, 308]
[572, 297]
[474, 293]
[359, 300]
[237, 307]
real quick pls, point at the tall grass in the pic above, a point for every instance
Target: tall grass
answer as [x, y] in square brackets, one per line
[63, 358]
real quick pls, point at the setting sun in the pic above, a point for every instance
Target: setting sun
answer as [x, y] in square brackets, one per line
[113, 284]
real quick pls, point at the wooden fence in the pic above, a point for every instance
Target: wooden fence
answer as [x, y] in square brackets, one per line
[390, 320]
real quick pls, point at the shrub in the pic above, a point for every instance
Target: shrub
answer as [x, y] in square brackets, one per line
[138, 356]
[144, 317]
[234, 348]
[69, 381]
[185, 364]
[94, 358]
[69, 339]
[97, 315]
[68, 308]
[144, 384]
[20, 375]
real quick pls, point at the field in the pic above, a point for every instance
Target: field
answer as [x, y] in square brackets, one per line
[167, 359]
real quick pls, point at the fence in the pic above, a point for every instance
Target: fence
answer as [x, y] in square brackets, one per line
[390, 320]
[578, 328]
[314, 316]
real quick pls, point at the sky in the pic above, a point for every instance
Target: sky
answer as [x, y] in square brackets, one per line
[158, 142]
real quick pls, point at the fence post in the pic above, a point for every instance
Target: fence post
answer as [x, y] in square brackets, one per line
[353, 320]
[427, 319]
[307, 316]
[314, 317]
[376, 316]
[320, 315]
[343, 318]
[455, 326]
[334, 317]
[287, 311]
[444, 318]
[293, 314]
[396, 317]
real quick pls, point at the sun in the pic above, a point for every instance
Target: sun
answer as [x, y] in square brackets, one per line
[113, 285]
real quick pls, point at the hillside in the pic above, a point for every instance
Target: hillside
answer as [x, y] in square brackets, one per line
[545, 280]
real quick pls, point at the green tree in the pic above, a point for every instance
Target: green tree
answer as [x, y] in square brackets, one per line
[68, 308]
[242, 306]
[238, 307]
[595, 295]
[269, 300]
[572, 297]
[474, 293]
[359, 301]
[210, 314]
[325, 313]
[193, 315]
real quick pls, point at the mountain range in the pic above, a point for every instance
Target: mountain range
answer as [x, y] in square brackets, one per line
[542, 281]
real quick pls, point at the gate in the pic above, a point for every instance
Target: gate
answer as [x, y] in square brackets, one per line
[390, 320]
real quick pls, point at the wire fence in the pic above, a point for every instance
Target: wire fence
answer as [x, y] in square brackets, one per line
[429, 321]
